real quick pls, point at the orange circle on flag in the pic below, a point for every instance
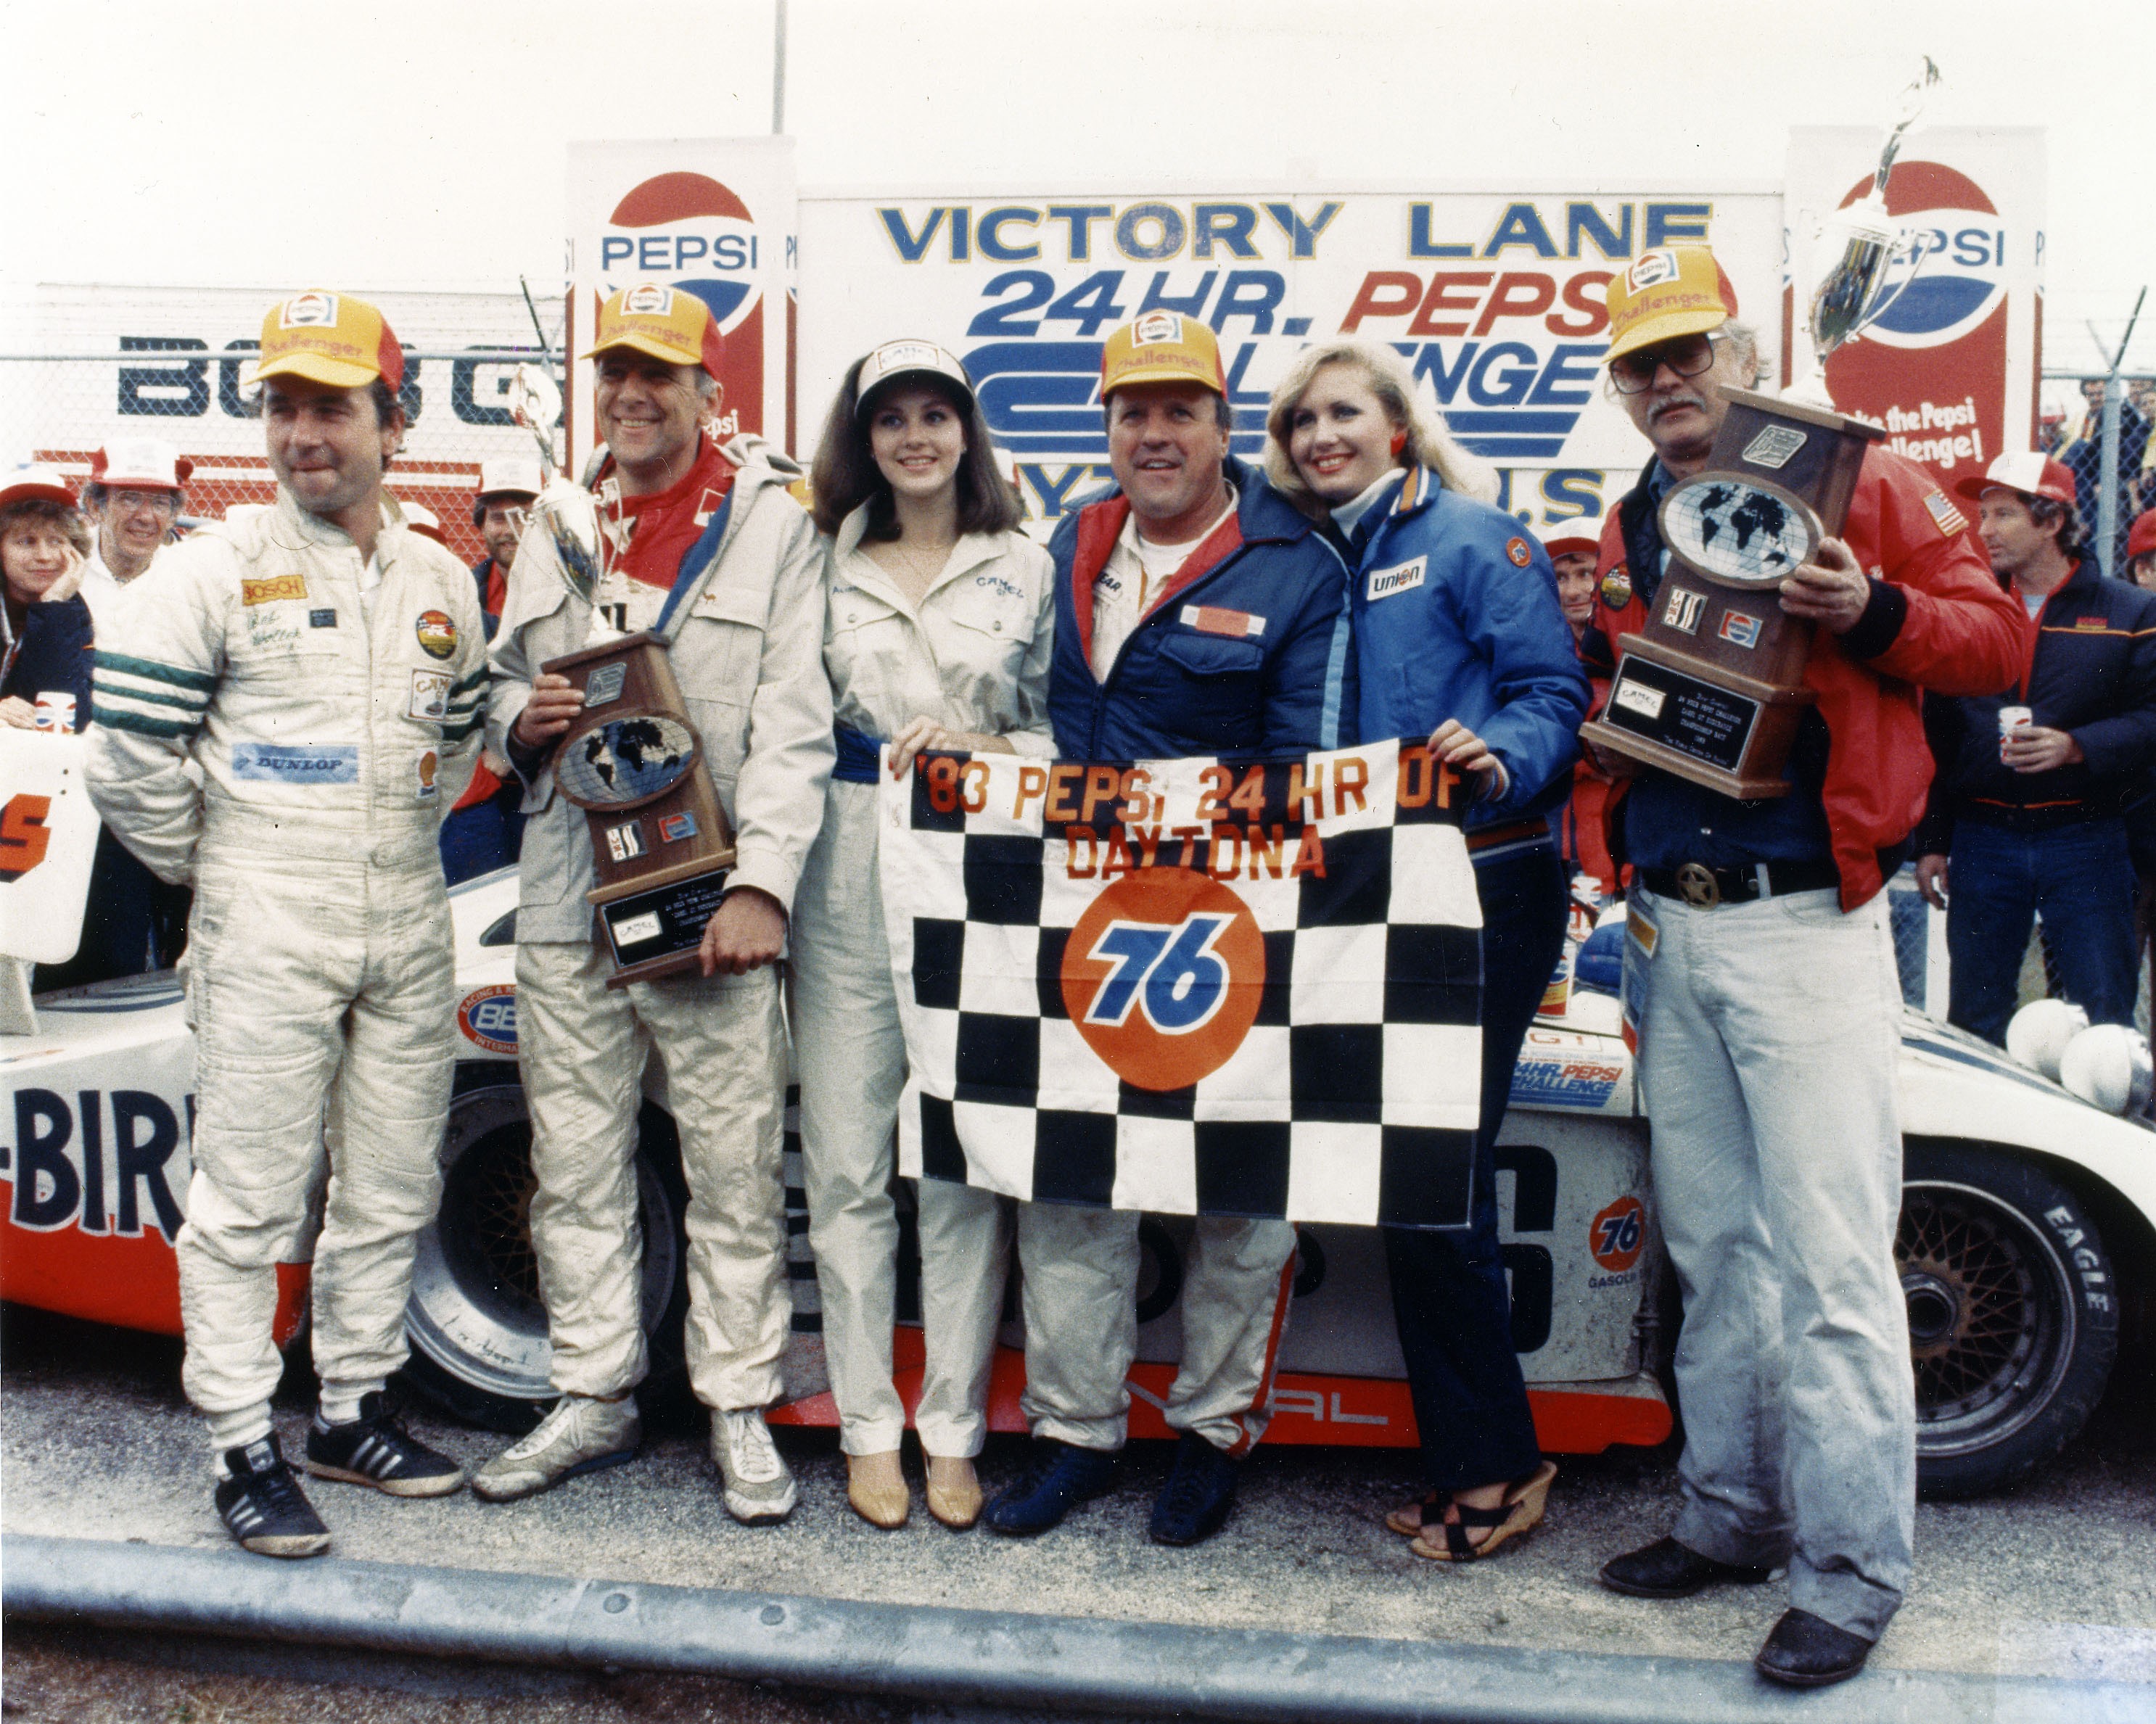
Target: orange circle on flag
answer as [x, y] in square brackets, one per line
[1163, 975]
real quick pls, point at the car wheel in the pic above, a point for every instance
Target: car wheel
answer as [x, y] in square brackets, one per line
[477, 1328]
[2013, 1314]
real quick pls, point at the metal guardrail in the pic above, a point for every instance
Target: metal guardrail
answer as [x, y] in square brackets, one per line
[969, 1659]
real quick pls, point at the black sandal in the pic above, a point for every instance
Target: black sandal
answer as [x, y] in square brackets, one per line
[1520, 1511]
[1431, 1510]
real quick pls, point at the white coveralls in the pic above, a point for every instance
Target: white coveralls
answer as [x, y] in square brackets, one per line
[973, 656]
[1081, 1266]
[322, 715]
[745, 659]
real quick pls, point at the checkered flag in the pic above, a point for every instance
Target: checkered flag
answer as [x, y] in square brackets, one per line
[1193, 986]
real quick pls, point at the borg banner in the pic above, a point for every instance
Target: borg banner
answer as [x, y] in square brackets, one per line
[1189, 986]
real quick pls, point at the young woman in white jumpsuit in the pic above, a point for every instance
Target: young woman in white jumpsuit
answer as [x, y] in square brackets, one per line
[937, 636]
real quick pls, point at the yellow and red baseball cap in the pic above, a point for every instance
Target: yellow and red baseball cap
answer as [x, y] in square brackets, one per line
[1672, 290]
[1162, 347]
[329, 338]
[668, 323]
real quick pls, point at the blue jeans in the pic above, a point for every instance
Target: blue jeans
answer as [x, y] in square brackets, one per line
[1450, 1300]
[2080, 879]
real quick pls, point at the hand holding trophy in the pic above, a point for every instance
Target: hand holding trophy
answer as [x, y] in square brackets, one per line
[1713, 688]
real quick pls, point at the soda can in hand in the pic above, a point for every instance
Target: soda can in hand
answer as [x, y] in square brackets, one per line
[55, 711]
[2010, 719]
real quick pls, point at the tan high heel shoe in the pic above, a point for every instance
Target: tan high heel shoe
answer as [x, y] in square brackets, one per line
[954, 1491]
[875, 1490]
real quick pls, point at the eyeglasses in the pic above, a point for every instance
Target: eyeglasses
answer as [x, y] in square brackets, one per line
[1687, 355]
[131, 502]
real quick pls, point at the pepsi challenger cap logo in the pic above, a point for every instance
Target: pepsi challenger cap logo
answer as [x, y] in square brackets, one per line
[1163, 976]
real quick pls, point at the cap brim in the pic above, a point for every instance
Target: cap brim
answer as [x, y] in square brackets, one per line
[1162, 374]
[1665, 327]
[318, 368]
[1559, 547]
[650, 346]
[35, 490]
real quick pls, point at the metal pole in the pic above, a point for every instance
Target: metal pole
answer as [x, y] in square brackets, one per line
[777, 67]
[2107, 506]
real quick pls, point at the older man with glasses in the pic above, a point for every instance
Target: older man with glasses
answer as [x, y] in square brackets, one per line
[1769, 1012]
[133, 499]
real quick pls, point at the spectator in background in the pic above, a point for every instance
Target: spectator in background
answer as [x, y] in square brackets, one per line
[44, 623]
[2141, 393]
[507, 489]
[2084, 458]
[2051, 431]
[1573, 545]
[2031, 821]
[2141, 550]
[486, 829]
[132, 921]
[133, 500]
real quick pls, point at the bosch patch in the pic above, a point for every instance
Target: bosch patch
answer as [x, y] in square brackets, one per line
[437, 634]
[276, 588]
[1517, 552]
[1617, 588]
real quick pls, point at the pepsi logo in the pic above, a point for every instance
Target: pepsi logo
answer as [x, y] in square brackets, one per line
[1957, 275]
[647, 301]
[1157, 326]
[1617, 1232]
[487, 1018]
[1649, 270]
[687, 230]
[309, 310]
[1163, 976]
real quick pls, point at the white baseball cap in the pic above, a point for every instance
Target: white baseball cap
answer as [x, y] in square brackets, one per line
[33, 479]
[506, 474]
[2027, 471]
[898, 359]
[146, 463]
[422, 521]
[1575, 533]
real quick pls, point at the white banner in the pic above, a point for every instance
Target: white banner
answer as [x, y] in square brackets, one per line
[47, 840]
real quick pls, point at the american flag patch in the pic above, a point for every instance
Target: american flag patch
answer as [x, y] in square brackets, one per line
[1945, 516]
[1213, 619]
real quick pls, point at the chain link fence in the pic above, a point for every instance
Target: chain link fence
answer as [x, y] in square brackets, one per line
[2103, 434]
[60, 408]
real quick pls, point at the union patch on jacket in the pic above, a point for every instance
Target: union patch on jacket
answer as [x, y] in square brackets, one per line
[1401, 578]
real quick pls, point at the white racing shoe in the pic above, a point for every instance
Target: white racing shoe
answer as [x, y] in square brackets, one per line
[580, 1435]
[760, 1491]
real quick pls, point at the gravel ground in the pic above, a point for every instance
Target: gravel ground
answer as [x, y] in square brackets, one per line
[2059, 1578]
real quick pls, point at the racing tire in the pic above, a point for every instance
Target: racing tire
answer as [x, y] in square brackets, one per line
[2013, 1314]
[477, 1328]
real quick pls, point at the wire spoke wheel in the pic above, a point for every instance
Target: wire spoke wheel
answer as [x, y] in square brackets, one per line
[2012, 1327]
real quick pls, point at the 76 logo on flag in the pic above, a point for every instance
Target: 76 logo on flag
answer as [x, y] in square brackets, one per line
[1172, 973]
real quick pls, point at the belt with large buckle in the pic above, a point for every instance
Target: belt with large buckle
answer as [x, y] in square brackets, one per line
[1704, 888]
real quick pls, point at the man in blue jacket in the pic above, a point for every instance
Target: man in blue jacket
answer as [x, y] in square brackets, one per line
[2032, 820]
[1197, 613]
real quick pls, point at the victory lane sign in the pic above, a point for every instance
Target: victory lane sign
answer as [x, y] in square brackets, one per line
[1193, 986]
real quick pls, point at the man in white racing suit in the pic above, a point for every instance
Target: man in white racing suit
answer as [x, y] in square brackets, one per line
[278, 703]
[702, 543]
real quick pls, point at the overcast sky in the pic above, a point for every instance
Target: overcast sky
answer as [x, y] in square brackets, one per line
[421, 141]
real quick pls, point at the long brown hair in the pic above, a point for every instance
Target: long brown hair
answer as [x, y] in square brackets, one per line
[845, 475]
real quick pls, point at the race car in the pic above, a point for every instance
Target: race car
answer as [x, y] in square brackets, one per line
[2020, 1203]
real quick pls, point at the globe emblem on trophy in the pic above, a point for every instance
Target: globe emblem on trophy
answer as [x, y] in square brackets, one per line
[627, 760]
[1744, 533]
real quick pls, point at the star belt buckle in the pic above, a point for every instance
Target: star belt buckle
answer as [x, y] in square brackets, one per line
[1695, 881]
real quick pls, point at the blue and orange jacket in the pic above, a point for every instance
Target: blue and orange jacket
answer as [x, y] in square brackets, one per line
[1937, 620]
[1456, 617]
[1245, 652]
[2088, 668]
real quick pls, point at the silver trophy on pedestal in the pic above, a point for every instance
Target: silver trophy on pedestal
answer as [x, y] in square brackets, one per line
[1855, 254]
[567, 508]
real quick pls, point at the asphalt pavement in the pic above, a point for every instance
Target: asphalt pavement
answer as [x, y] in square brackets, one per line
[2057, 1579]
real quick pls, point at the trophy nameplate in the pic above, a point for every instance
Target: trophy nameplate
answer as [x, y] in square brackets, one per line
[1711, 688]
[660, 842]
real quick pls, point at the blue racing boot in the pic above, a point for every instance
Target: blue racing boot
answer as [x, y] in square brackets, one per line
[1199, 1492]
[1061, 1476]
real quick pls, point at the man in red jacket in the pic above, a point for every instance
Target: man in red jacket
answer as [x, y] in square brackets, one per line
[1761, 969]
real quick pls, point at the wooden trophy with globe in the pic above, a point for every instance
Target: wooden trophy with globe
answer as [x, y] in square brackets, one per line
[1713, 688]
[660, 841]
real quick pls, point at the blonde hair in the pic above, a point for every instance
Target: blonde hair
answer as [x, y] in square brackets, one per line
[1428, 443]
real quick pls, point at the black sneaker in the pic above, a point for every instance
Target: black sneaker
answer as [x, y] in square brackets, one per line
[375, 1450]
[1060, 1476]
[1195, 1501]
[263, 1507]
